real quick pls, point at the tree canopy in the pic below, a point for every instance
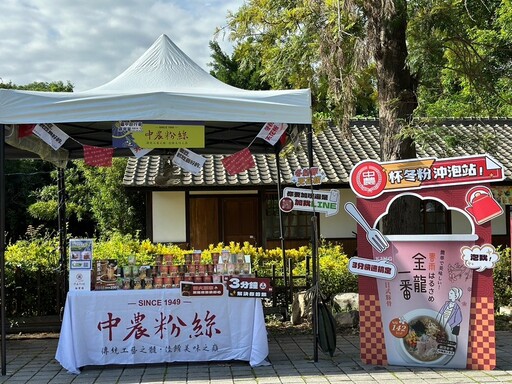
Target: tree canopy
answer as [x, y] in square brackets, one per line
[405, 59]
[462, 53]
[458, 53]
[54, 86]
[96, 203]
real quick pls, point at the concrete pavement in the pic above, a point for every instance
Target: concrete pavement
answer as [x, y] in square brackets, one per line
[291, 357]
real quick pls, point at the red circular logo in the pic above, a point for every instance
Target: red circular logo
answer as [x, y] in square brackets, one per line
[368, 179]
[398, 328]
[286, 204]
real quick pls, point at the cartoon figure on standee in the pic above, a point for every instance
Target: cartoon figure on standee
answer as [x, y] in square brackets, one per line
[450, 313]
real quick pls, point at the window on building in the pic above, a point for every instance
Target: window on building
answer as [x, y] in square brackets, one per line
[424, 216]
[436, 218]
[296, 224]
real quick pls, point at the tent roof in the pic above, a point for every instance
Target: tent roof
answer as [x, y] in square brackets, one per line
[164, 84]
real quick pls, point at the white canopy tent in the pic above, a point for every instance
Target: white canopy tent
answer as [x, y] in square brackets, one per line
[164, 84]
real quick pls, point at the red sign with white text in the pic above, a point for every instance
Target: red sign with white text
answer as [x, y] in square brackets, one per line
[369, 179]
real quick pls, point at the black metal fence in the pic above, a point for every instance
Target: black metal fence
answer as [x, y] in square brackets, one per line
[284, 286]
[34, 293]
[34, 300]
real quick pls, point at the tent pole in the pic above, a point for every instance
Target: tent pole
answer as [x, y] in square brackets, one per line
[62, 231]
[2, 246]
[314, 256]
[281, 231]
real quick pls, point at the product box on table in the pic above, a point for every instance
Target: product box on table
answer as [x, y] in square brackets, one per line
[106, 275]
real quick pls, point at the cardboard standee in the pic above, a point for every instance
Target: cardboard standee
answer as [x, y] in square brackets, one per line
[481, 346]
[398, 316]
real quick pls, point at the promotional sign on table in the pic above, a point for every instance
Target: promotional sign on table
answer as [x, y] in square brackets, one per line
[201, 289]
[426, 300]
[246, 286]
[80, 264]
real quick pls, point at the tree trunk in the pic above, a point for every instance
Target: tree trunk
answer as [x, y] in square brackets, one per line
[387, 23]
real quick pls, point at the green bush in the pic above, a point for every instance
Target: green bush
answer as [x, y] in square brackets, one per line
[333, 270]
[35, 261]
[502, 280]
[32, 276]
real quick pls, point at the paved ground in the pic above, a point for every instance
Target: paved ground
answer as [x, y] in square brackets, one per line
[291, 357]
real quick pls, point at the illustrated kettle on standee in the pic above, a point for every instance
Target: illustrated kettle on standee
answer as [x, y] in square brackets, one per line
[481, 205]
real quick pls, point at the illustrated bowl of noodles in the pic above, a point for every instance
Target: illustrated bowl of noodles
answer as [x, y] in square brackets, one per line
[428, 341]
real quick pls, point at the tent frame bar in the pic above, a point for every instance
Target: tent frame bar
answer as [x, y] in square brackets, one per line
[2, 249]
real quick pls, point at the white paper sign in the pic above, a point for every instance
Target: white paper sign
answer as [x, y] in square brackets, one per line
[51, 135]
[189, 161]
[79, 279]
[271, 132]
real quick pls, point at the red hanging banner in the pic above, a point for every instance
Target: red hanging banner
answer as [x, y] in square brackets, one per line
[97, 156]
[238, 162]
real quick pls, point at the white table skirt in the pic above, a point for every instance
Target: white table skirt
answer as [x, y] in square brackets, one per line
[160, 325]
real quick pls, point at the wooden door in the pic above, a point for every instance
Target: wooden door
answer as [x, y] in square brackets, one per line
[240, 219]
[204, 222]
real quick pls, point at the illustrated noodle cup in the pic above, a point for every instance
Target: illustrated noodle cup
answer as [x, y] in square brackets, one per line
[430, 270]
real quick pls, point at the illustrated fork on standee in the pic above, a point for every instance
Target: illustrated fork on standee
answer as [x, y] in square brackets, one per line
[374, 236]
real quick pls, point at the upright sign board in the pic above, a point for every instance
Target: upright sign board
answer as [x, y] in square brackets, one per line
[426, 300]
[80, 264]
[308, 200]
[300, 199]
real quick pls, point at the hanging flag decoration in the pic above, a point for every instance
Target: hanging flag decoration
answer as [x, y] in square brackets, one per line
[51, 134]
[238, 162]
[25, 130]
[138, 152]
[188, 160]
[97, 156]
[271, 132]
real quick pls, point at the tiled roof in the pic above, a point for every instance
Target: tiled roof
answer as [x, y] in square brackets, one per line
[333, 152]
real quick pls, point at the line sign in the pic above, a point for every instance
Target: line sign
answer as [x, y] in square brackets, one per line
[298, 199]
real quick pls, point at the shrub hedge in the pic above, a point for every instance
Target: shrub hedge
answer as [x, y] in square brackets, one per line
[38, 259]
